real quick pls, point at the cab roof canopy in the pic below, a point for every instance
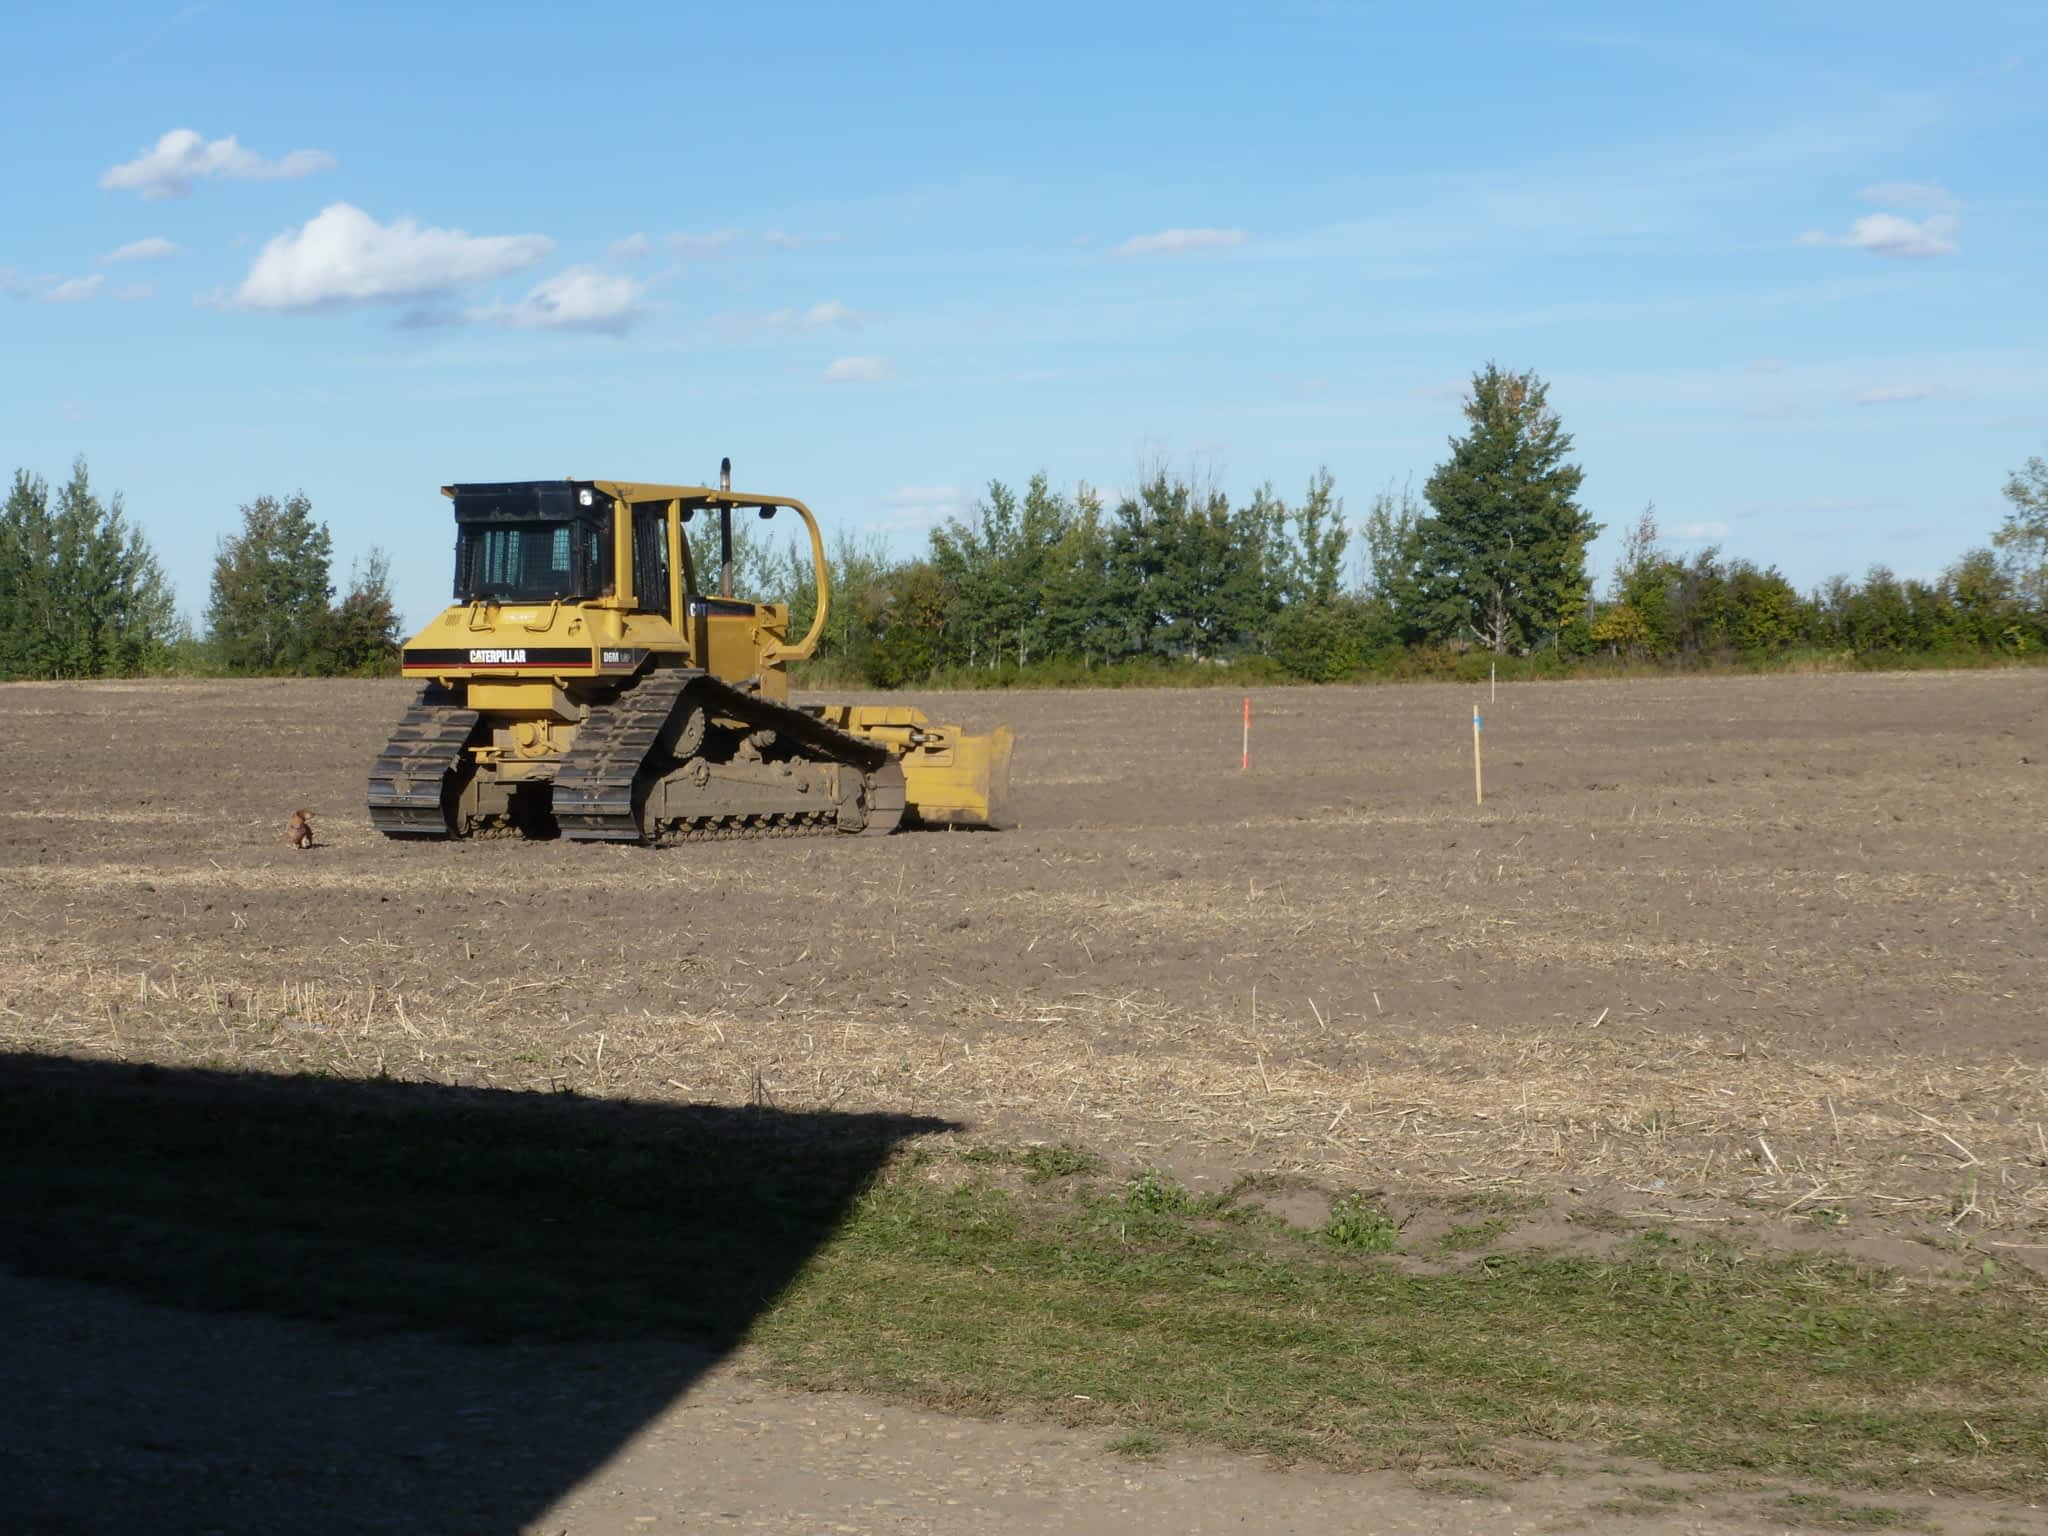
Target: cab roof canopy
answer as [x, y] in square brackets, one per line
[493, 501]
[523, 501]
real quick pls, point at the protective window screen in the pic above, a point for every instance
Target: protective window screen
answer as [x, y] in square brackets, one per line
[650, 557]
[519, 561]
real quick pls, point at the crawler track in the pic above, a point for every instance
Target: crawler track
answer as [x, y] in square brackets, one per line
[594, 785]
[619, 751]
[413, 782]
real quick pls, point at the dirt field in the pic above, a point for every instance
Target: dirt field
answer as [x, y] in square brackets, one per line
[1730, 951]
[1758, 957]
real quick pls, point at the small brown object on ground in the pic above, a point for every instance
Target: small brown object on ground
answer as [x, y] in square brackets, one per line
[300, 833]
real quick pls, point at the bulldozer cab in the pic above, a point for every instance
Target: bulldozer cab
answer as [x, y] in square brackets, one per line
[620, 553]
[531, 543]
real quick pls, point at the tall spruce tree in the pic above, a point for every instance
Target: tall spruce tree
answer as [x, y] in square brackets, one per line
[1391, 551]
[272, 584]
[1501, 559]
[1081, 621]
[81, 592]
[1194, 579]
[1316, 567]
[117, 614]
[979, 557]
[26, 571]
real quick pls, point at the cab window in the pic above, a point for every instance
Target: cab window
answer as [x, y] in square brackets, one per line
[650, 556]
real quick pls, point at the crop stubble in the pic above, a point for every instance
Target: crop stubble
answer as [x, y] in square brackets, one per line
[1743, 953]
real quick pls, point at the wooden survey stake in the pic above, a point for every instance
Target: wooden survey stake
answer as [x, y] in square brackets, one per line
[1478, 778]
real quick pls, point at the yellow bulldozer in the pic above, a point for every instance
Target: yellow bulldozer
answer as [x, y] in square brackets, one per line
[584, 682]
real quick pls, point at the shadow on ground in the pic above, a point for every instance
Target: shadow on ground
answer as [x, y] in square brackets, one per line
[318, 1306]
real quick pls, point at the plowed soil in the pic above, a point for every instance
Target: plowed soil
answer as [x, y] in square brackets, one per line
[1757, 952]
[1761, 958]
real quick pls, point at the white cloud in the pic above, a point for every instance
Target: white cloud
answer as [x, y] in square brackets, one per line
[134, 293]
[1897, 394]
[73, 290]
[831, 312]
[632, 248]
[783, 242]
[697, 247]
[1887, 234]
[857, 370]
[1766, 365]
[580, 299]
[828, 315]
[343, 256]
[1174, 242]
[1924, 195]
[48, 287]
[155, 248]
[917, 508]
[182, 157]
[1697, 533]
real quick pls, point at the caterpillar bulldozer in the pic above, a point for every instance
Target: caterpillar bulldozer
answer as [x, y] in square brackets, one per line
[584, 683]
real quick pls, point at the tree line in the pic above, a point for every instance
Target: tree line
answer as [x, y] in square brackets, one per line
[1490, 559]
[1042, 583]
[82, 594]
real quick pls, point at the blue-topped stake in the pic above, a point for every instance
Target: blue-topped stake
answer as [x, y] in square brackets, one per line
[1478, 782]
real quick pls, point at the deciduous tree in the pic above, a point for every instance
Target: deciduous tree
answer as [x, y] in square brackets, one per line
[272, 583]
[2023, 539]
[362, 631]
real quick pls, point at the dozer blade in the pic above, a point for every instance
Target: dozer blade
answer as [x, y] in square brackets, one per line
[953, 779]
[950, 778]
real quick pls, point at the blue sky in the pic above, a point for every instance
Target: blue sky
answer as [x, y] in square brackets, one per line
[1782, 264]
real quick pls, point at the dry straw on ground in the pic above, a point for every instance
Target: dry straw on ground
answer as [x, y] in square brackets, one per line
[1684, 1130]
[1758, 952]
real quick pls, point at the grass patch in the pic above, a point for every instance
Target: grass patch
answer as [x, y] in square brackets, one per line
[1457, 1487]
[1699, 1358]
[1144, 1309]
[1153, 1194]
[1060, 1162]
[1360, 1227]
[1598, 1218]
[1827, 1512]
[1495, 1202]
[1473, 1234]
[1630, 1504]
[1657, 1493]
[1040, 1164]
[1139, 1445]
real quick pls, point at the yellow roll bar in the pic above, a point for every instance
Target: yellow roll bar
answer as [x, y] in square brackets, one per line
[710, 498]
